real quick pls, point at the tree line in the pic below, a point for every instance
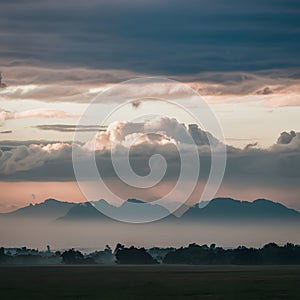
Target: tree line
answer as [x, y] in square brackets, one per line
[193, 254]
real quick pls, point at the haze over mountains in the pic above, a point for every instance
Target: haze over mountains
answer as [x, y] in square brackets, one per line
[216, 210]
[50, 209]
[224, 221]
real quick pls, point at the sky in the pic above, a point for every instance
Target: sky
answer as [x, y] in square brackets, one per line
[241, 57]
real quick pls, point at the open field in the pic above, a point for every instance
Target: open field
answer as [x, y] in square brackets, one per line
[149, 282]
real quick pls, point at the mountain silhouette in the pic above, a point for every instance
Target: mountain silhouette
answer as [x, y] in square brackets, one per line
[49, 209]
[217, 210]
[228, 209]
[138, 210]
[84, 212]
[132, 209]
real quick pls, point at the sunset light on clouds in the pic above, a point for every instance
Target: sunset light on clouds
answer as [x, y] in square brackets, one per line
[241, 58]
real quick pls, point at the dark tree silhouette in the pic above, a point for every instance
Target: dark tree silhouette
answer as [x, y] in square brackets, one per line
[270, 254]
[3, 257]
[134, 255]
[108, 249]
[72, 257]
[244, 256]
[193, 255]
[118, 247]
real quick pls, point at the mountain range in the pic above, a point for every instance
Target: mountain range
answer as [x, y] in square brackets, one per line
[50, 209]
[216, 210]
[227, 209]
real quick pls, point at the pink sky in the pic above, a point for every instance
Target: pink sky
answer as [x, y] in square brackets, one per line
[19, 194]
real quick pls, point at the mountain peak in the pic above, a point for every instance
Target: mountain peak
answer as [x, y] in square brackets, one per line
[51, 200]
[265, 201]
[135, 201]
[50, 208]
[236, 210]
[84, 211]
[224, 199]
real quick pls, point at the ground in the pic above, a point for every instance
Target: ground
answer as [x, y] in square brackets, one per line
[149, 282]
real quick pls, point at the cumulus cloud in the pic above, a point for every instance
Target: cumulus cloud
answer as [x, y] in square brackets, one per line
[286, 138]
[144, 138]
[251, 165]
[160, 130]
[24, 158]
[288, 145]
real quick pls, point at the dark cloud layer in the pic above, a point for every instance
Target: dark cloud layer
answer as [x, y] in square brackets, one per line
[168, 37]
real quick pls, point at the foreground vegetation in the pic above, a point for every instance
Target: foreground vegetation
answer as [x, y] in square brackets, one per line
[149, 282]
[270, 254]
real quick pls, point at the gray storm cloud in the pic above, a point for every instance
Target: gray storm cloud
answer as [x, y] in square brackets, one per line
[220, 48]
[203, 38]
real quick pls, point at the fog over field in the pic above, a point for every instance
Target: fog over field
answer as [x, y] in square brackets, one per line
[95, 235]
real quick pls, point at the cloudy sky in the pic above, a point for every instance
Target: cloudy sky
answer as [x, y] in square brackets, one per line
[242, 57]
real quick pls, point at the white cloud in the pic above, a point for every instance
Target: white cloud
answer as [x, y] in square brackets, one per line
[24, 158]
[277, 163]
[36, 113]
[159, 131]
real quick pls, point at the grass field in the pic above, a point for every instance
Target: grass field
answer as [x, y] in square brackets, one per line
[149, 282]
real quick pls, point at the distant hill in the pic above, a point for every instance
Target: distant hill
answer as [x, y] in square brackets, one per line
[217, 210]
[84, 212]
[49, 209]
[143, 211]
[227, 209]
[129, 209]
